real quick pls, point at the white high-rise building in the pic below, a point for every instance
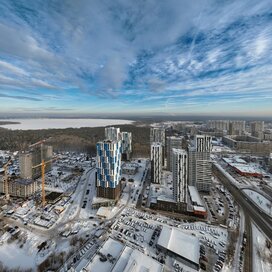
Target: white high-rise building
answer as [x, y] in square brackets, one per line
[202, 143]
[126, 138]
[157, 134]
[180, 175]
[172, 142]
[108, 165]
[112, 133]
[200, 168]
[156, 162]
[203, 175]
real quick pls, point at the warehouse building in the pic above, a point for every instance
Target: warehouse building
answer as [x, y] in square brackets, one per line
[183, 247]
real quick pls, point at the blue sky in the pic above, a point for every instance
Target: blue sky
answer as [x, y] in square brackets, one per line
[141, 57]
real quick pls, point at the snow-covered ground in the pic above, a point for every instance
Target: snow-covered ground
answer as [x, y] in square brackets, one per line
[20, 254]
[262, 202]
[262, 261]
[61, 123]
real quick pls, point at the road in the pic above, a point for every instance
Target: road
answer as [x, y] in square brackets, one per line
[236, 261]
[249, 246]
[263, 221]
[106, 225]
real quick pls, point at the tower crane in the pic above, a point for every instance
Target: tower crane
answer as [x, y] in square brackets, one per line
[6, 179]
[43, 165]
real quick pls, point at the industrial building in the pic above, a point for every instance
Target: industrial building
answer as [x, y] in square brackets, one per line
[156, 162]
[172, 142]
[183, 247]
[108, 165]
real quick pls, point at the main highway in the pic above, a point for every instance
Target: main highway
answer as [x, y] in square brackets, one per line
[262, 220]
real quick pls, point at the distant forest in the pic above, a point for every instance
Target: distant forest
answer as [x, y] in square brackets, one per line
[72, 139]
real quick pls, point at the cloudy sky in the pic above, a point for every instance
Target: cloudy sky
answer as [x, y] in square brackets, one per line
[136, 57]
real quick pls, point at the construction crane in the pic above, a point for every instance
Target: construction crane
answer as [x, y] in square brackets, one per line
[40, 142]
[43, 165]
[6, 179]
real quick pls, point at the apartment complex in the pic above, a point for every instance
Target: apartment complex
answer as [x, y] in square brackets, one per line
[108, 165]
[220, 125]
[126, 138]
[114, 134]
[200, 170]
[237, 127]
[29, 159]
[156, 162]
[157, 135]
[180, 175]
[257, 129]
[20, 187]
[172, 142]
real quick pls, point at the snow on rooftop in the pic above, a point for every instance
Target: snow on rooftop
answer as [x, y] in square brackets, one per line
[248, 168]
[104, 212]
[180, 243]
[112, 247]
[133, 260]
[195, 197]
[199, 209]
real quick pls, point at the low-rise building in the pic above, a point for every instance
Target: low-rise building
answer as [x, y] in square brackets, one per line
[130, 168]
[183, 247]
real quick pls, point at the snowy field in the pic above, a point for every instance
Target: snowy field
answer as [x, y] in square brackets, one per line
[262, 261]
[262, 202]
[26, 124]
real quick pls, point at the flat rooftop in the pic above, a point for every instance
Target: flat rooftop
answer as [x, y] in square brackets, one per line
[247, 168]
[24, 181]
[184, 245]
[132, 260]
[195, 197]
[112, 247]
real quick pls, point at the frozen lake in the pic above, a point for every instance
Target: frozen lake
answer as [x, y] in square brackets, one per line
[48, 123]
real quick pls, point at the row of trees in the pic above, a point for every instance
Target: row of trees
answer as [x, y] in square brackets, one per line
[72, 139]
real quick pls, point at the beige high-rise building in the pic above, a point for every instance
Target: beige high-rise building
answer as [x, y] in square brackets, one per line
[25, 162]
[29, 159]
[20, 187]
[257, 128]
[237, 127]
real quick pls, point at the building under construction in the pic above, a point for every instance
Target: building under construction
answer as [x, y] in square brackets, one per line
[19, 187]
[29, 159]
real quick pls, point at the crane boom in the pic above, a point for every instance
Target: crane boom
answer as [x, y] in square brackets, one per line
[43, 165]
[6, 179]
